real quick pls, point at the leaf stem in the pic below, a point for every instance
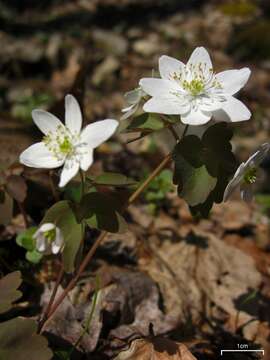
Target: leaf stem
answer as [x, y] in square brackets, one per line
[185, 131]
[48, 308]
[82, 182]
[52, 185]
[100, 238]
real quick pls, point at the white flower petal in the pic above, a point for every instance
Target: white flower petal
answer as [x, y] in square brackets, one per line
[256, 159]
[168, 66]
[133, 97]
[236, 110]
[158, 87]
[235, 181]
[58, 243]
[86, 159]
[98, 132]
[200, 56]
[246, 192]
[55, 248]
[73, 115]
[128, 112]
[46, 227]
[168, 106]
[41, 243]
[45, 121]
[38, 156]
[70, 169]
[233, 80]
[196, 117]
[210, 104]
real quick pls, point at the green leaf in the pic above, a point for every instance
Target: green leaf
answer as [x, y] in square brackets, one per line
[8, 290]
[34, 256]
[146, 121]
[203, 167]
[102, 211]
[18, 340]
[62, 216]
[25, 238]
[113, 179]
[195, 183]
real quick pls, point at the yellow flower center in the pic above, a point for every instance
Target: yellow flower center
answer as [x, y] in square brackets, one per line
[250, 176]
[50, 235]
[195, 86]
[65, 146]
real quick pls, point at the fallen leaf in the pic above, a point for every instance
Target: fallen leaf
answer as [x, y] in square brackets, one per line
[18, 340]
[8, 290]
[156, 348]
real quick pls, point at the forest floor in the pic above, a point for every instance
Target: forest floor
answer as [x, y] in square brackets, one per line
[202, 282]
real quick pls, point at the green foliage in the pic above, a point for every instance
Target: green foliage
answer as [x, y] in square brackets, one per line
[26, 240]
[101, 211]
[61, 214]
[24, 106]
[112, 179]
[145, 122]
[203, 167]
[8, 290]
[159, 187]
[73, 192]
[18, 340]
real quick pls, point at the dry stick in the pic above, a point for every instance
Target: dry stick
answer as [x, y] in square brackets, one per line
[48, 308]
[101, 237]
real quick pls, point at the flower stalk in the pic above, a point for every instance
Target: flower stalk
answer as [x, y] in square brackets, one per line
[101, 237]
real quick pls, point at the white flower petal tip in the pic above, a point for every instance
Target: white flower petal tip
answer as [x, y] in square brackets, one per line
[49, 239]
[133, 98]
[194, 90]
[246, 175]
[46, 122]
[73, 115]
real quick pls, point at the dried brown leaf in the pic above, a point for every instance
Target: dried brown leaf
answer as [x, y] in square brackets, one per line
[156, 348]
[16, 187]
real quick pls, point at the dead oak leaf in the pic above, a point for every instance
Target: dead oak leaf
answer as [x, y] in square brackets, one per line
[156, 348]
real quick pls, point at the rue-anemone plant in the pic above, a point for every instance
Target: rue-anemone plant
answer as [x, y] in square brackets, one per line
[185, 98]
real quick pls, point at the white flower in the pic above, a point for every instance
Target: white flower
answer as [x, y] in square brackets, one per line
[246, 175]
[66, 145]
[49, 239]
[133, 98]
[194, 91]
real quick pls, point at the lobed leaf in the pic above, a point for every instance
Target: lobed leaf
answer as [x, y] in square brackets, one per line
[102, 211]
[203, 167]
[145, 121]
[113, 179]
[18, 340]
[62, 215]
[8, 290]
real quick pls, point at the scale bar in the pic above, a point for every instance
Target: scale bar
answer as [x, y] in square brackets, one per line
[241, 350]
